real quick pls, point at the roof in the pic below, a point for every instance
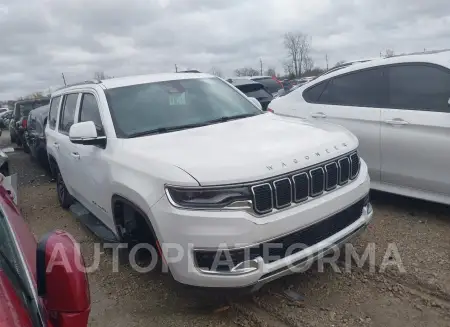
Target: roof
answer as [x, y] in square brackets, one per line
[241, 81]
[436, 57]
[135, 80]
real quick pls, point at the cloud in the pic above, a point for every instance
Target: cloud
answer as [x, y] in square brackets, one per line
[43, 38]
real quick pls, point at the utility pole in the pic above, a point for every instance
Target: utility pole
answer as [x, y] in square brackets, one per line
[326, 58]
[260, 61]
[64, 79]
[176, 68]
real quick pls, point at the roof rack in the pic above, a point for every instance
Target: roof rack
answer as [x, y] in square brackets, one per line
[92, 81]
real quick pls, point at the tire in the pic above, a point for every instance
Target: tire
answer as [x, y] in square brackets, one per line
[64, 197]
[26, 148]
[13, 139]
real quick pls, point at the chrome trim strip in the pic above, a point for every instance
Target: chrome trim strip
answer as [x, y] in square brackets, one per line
[254, 198]
[352, 177]
[340, 170]
[312, 181]
[326, 176]
[295, 188]
[29, 277]
[276, 193]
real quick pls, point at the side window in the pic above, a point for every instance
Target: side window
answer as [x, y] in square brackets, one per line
[54, 111]
[67, 116]
[313, 93]
[419, 87]
[89, 111]
[366, 88]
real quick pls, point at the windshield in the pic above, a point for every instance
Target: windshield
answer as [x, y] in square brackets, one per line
[137, 109]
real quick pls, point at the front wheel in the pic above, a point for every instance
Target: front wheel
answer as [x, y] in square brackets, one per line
[64, 197]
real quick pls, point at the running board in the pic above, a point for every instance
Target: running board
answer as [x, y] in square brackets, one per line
[93, 223]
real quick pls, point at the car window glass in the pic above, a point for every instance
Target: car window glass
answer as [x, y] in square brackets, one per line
[54, 111]
[312, 94]
[269, 84]
[363, 88]
[14, 269]
[68, 112]
[255, 90]
[89, 111]
[419, 87]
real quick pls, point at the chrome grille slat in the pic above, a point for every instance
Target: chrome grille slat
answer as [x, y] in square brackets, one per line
[283, 193]
[331, 176]
[344, 170]
[263, 191]
[304, 185]
[300, 181]
[317, 181]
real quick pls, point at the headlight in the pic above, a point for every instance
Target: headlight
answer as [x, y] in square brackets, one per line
[207, 198]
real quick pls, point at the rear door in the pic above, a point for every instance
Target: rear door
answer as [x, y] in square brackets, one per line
[51, 133]
[353, 101]
[415, 133]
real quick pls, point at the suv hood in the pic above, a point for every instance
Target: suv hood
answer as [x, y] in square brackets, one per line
[244, 150]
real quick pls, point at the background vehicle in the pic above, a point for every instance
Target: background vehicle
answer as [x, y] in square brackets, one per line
[399, 108]
[269, 82]
[34, 134]
[254, 90]
[3, 109]
[184, 158]
[18, 122]
[33, 294]
[5, 118]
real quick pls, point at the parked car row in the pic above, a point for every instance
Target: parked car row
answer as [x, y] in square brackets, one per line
[399, 108]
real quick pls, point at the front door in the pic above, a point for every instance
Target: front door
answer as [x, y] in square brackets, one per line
[415, 136]
[354, 101]
[91, 164]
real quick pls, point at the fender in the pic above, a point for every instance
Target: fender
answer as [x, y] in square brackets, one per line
[130, 197]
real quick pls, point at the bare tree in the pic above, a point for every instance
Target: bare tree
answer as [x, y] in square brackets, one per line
[297, 46]
[271, 72]
[99, 75]
[389, 53]
[216, 72]
[246, 72]
[288, 67]
[308, 64]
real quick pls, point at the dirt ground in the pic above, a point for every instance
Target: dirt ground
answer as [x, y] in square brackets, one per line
[420, 296]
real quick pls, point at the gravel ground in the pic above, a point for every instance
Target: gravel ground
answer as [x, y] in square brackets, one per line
[419, 296]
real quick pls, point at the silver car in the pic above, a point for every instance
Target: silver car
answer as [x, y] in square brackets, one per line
[399, 109]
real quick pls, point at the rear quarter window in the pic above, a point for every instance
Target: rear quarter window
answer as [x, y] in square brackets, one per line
[313, 94]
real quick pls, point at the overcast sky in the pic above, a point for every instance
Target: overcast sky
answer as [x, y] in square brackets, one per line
[40, 39]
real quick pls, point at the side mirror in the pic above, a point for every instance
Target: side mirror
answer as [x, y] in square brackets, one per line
[62, 281]
[86, 133]
[255, 102]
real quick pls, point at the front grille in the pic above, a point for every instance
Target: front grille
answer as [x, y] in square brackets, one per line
[283, 246]
[301, 186]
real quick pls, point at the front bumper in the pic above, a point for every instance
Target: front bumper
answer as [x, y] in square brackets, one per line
[193, 230]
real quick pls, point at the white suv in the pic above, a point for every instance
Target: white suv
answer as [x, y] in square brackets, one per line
[188, 159]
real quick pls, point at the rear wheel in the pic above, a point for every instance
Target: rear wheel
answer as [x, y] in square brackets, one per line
[64, 197]
[26, 148]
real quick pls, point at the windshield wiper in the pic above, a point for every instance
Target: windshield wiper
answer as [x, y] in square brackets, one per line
[162, 130]
[228, 118]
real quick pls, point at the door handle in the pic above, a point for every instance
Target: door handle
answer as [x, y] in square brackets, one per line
[56, 146]
[318, 115]
[76, 155]
[396, 121]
